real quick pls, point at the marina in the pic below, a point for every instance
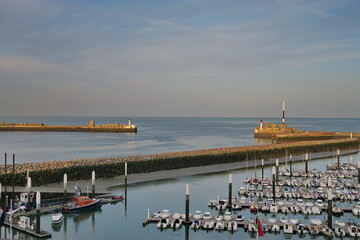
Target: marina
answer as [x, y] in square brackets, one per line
[277, 202]
[165, 190]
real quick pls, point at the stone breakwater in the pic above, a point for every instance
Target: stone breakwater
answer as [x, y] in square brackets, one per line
[52, 171]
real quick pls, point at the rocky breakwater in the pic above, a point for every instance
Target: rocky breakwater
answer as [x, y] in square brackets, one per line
[53, 171]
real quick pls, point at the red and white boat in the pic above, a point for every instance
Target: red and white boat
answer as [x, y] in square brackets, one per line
[79, 203]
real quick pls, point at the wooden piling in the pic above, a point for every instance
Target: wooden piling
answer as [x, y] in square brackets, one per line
[262, 169]
[230, 191]
[306, 163]
[187, 202]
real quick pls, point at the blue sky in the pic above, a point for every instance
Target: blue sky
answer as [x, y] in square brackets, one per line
[180, 58]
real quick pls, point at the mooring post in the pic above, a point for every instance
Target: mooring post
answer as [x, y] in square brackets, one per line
[277, 170]
[29, 193]
[187, 202]
[290, 162]
[38, 204]
[273, 181]
[230, 191]
[93, 183]
[65, 187]
[1, 200]
[13, 184]
[262, 169]
[338, 158]
[330, 208]
[359, 171]
[5, 182]
[306, 163]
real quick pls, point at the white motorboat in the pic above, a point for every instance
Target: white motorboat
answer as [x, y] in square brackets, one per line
[327, 231]
[195, 224]
[176, 224]
[219, 218]
[272, 220]
[163, 223]
[165, 213]
[242, 191]
[176, 215]
[208, 225]
[315, 210]
[213, 203]
[306, 209]
[24, 222]
[337, 210]
[207, 216]
[219, 226]
[339, 232]
[57, 217]
[252, 226]
[353, 231]
[232, 226]
[315, 221]
[302, 229]
[285, 209]
[319, 203]
[339, 223]
[356, 211]
[275, 228]
[288, 228]
[228, 216]
[222, 204]
[274, 208]
[239, 218]
[197, 215]
[294, 221]
[314, 229]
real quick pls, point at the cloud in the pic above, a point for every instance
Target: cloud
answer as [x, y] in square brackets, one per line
[192, 55]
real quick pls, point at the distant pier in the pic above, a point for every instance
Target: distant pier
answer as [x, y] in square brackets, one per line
[91, 127]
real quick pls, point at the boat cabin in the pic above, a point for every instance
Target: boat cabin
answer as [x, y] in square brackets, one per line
[81, 200]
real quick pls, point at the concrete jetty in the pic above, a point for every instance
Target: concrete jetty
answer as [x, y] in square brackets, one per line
[91, 127]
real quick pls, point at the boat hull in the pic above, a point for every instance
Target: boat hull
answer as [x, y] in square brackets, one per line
[97, 203]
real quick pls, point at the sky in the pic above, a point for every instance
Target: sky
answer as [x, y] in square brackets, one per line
[213, 58]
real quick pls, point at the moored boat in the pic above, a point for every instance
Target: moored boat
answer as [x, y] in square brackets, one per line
[57, 216]
[79, 203]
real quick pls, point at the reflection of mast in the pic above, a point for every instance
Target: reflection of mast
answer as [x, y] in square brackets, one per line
[126, 196]
[65, 227]
[187, 232]
[93, 222]
[125, 189]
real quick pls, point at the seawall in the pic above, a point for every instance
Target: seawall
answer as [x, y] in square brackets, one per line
[52, 172]
[91, 127]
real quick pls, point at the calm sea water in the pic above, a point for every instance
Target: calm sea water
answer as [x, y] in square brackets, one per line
[124, 220]
[155, 135]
